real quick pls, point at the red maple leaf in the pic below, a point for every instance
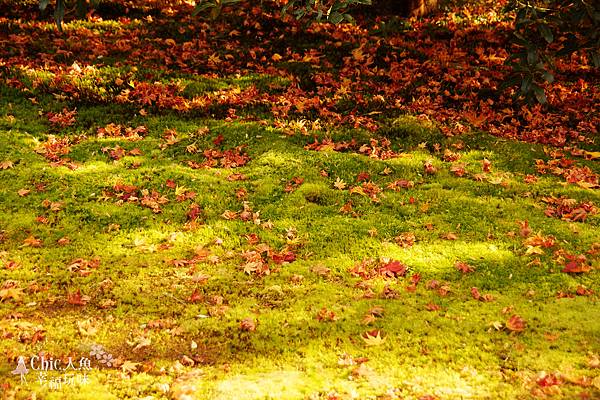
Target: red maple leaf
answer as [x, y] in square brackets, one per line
[77, 299]
[218, 140]
[576, 267]
[393, 268]
[463, 267]
[195, 297]
[516, 324]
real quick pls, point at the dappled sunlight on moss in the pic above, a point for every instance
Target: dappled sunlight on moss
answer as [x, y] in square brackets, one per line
[439, 257]
[438, 337]
[287, 385]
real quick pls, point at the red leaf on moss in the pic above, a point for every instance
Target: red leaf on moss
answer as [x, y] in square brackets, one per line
[77, 299]
[463, 267]
[393, 268]
[195, 297]
[516, 324]
[218, 140]
[248, 325]
[546, 380]
[486, 165]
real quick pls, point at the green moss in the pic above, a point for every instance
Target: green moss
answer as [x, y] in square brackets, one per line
[141, 306]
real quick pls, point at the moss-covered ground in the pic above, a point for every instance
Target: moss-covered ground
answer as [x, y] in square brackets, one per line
[215, 255]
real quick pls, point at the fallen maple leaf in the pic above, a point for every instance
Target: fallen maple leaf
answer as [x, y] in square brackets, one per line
[361, 371]
[237, 177]
[546, 380]
[393, 268]
[463, 267]
[140, 343]
[23, 192]
[31, 241]
[129, 366]
[486, 165]
[534, 250]
[10, 264]
[516, 324]
[525, 230]
[62, 119]
[429, 168]
[478, 296]
[77, 299]
[406, 239]
[195, 297]
[347, 360]
[583, 291]
[376, 311]
[373, 338]
[450, 236]
[326, 315]
[321, 270]
[400, 184]
[458, 169]
[11, 293]
[474, 119]
[218, 140]
[363, 176]
[432, 284]
[443, 290]
[6, 164]
[229, 215]
[576, 267]
[368, 319]
[248, 324]
[339, 184]
[592, 155]
[450, 156]
[587, 185]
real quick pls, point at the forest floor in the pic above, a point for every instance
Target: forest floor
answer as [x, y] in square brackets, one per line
[258, 209]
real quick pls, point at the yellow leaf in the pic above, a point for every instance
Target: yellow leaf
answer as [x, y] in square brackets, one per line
[214, 59]
[276, 57]
[373, 338]
[497, 325]
[129, 366]
[357, 54]
[592, 155]
[588, 185]
[474, 119]
[339, 184]
[141, 343]
[11, 293]
[6, 164]
[357, 190]
[180, 190]
[32, 241]
[534, 250]
[369, 319]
